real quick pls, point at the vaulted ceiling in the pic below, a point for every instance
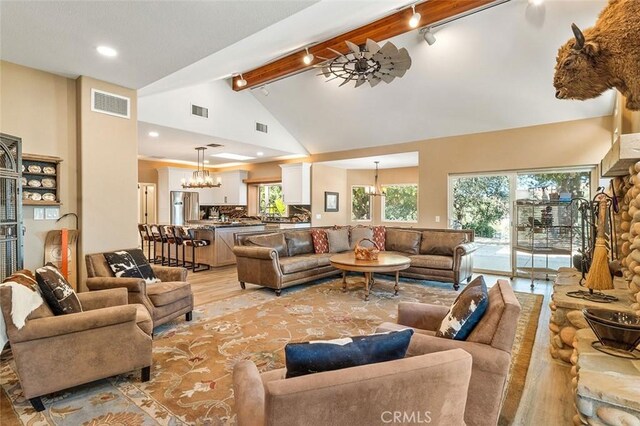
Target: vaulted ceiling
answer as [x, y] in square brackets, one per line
[489, 71]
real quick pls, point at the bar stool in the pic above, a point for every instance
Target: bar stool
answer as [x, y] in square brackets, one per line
[167, 231]
[158, 238]
[175, 236]
[145, 236]
[189, 241]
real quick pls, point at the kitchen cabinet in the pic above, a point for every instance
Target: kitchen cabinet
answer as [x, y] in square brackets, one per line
[233, 190]
[296, 183]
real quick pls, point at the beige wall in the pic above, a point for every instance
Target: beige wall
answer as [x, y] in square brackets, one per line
[40, 108]
[385, 177]
[331, 179]
[148, 170]
[108, 172]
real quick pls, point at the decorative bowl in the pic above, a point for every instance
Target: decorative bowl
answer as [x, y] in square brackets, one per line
[48, 183]
[34, 168]
[619, 330]
[35, 183]
[36, 197]
[48, 196]
[48, 170]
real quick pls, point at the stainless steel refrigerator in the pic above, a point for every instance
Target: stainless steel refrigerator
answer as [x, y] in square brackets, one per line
[184, 207]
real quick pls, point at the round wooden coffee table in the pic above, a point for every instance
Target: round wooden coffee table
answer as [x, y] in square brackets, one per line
[387, 262]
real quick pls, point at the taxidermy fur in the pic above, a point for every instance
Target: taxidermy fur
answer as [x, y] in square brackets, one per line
[603, 57]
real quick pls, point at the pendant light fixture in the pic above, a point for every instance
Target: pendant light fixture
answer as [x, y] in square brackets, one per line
[375, 191]
[201, 177]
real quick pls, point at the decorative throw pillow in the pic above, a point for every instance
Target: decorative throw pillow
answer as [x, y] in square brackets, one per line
[299, 242]
[131, 264]
[23, 277]
[275, 241]
[320, 241]
[338, 240]
[57, 292]
[359, 232]
[405, 241]
[380, 237]
[316, 356]
[466, 312]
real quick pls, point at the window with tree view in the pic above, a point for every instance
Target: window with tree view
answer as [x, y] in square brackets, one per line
[400, 203]
[270, 200]
[360, 204]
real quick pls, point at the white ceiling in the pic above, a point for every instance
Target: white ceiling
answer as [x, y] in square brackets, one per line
[175, 144]
[153, 38]
[489, 71]
[390, 161]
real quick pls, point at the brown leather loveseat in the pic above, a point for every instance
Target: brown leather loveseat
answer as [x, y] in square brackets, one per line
[280, 259]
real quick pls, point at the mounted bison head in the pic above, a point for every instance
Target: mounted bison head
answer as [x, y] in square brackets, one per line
[580, 71]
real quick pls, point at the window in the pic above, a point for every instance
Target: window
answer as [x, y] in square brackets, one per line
[360, 204]
[400, 203]
[270, 201]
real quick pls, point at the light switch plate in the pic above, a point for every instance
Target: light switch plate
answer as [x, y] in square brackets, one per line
[51, 213]
[437, 219]
[38, 213]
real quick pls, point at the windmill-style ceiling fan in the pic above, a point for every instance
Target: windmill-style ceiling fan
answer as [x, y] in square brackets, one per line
[367, 63]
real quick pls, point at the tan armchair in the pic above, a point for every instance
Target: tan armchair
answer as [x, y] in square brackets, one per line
[489, 344]
[53, 353]
[423, 389]
[165, 300]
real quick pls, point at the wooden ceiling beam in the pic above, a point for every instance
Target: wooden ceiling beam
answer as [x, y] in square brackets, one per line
[385, 28]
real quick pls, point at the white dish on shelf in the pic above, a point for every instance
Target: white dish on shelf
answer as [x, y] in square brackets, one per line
[48, 196]
[34, 183]
[36, 197]
[26, 195]
[48, 183]
[34, 168]
[23, 181]
[48, 170]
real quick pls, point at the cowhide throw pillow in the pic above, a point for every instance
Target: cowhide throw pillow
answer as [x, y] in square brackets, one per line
[57, 292]
[466, 312]
[131, 264]
[327, 355]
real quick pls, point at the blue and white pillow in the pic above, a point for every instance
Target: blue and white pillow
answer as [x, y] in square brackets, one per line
[327, 355]
[131, 264]
[466, 312]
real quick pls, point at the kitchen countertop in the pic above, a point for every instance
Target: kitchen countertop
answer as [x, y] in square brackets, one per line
[216, 224]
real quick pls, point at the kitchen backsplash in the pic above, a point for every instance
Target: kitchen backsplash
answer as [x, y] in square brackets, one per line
[232, 212]
[301, 213]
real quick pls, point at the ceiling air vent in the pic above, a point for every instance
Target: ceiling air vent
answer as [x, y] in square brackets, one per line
[215, 145]
[199, 111]
[261, 127]
[109, 103]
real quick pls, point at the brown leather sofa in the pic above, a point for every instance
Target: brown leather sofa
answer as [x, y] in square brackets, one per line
[53, 353]
[165, 300]
[280, 259]
[489, 344]
[422, 389]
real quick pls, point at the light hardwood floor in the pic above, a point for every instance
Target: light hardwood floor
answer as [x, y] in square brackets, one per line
[547, 398]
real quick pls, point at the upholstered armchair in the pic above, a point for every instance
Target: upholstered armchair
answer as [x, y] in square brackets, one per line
[165, 300]
[422, 389]
[489, 344]
[53, 353]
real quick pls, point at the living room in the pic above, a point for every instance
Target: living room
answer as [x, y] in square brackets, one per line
[219, 233]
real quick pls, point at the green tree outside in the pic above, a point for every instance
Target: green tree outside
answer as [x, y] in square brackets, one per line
[360, 204]
[400, 203]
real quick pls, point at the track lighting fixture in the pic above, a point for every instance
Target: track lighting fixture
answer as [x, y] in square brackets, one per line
[241, 82]
[415, 18]
[308, 58]
[427, 33]
[264, 90]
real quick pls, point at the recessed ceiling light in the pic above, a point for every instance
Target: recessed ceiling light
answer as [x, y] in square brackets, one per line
[154, 134]
[230, 156]
[107, 51]
[259, 153]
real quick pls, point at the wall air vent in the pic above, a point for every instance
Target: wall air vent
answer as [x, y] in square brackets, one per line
[261, 127]
[199, 111]
[215, 145]
[109, 103]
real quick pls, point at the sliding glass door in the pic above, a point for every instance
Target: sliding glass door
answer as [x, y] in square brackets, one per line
[484, 203]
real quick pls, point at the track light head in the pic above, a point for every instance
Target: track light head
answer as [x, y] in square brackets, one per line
[415, 18]
[308, 58]
[428, 36]
[241, 82]
[264, 90]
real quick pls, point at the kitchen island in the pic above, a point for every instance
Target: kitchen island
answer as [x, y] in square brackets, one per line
[220, 235]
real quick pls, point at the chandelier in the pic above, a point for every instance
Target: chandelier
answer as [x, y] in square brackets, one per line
[367, 63]
[375, 191]
[201, 177]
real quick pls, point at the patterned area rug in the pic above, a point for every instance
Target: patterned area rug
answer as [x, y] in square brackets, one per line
[191, 379]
